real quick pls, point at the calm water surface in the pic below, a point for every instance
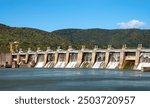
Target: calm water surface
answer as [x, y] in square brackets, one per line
[72, 79]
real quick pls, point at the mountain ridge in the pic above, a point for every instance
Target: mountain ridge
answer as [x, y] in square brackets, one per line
[33, 37]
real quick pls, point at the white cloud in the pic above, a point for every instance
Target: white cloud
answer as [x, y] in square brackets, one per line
[131, 24]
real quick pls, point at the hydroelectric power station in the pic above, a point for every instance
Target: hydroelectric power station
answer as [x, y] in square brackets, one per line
[110, 58]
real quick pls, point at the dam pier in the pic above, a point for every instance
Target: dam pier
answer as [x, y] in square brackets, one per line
[110, 58]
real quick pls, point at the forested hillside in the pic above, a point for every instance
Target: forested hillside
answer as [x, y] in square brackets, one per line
[102, 37]
[28, 37]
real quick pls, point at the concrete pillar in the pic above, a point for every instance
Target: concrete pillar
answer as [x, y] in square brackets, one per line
[93, 57]
[69, 48]
[45, 58]
[122, 57]
[48, 49]
[11, 59]
[107, 55]
[83, 48]
[18, 58]
[27, 57]
[137, 55]
[56, 58]
[140, 46]
[35, 57]
[79, 59]
[67, 57]
[137, 58]
[106, 58]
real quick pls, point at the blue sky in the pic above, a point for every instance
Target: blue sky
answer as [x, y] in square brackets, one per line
[51, 15]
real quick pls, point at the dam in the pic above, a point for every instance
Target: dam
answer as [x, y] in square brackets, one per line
[110, 58]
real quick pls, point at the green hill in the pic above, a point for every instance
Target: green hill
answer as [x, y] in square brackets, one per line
[28, 37]
[102, 37]
[33, 38]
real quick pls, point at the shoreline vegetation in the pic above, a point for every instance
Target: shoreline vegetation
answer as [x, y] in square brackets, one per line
[33, 38]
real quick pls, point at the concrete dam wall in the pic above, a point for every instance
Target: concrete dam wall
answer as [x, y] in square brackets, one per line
[109, 58]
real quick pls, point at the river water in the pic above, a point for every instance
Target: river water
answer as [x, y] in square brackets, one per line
[31, 79]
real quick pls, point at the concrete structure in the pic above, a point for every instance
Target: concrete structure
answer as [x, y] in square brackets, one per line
[5, 59]
[109, 58]
[79, 60]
